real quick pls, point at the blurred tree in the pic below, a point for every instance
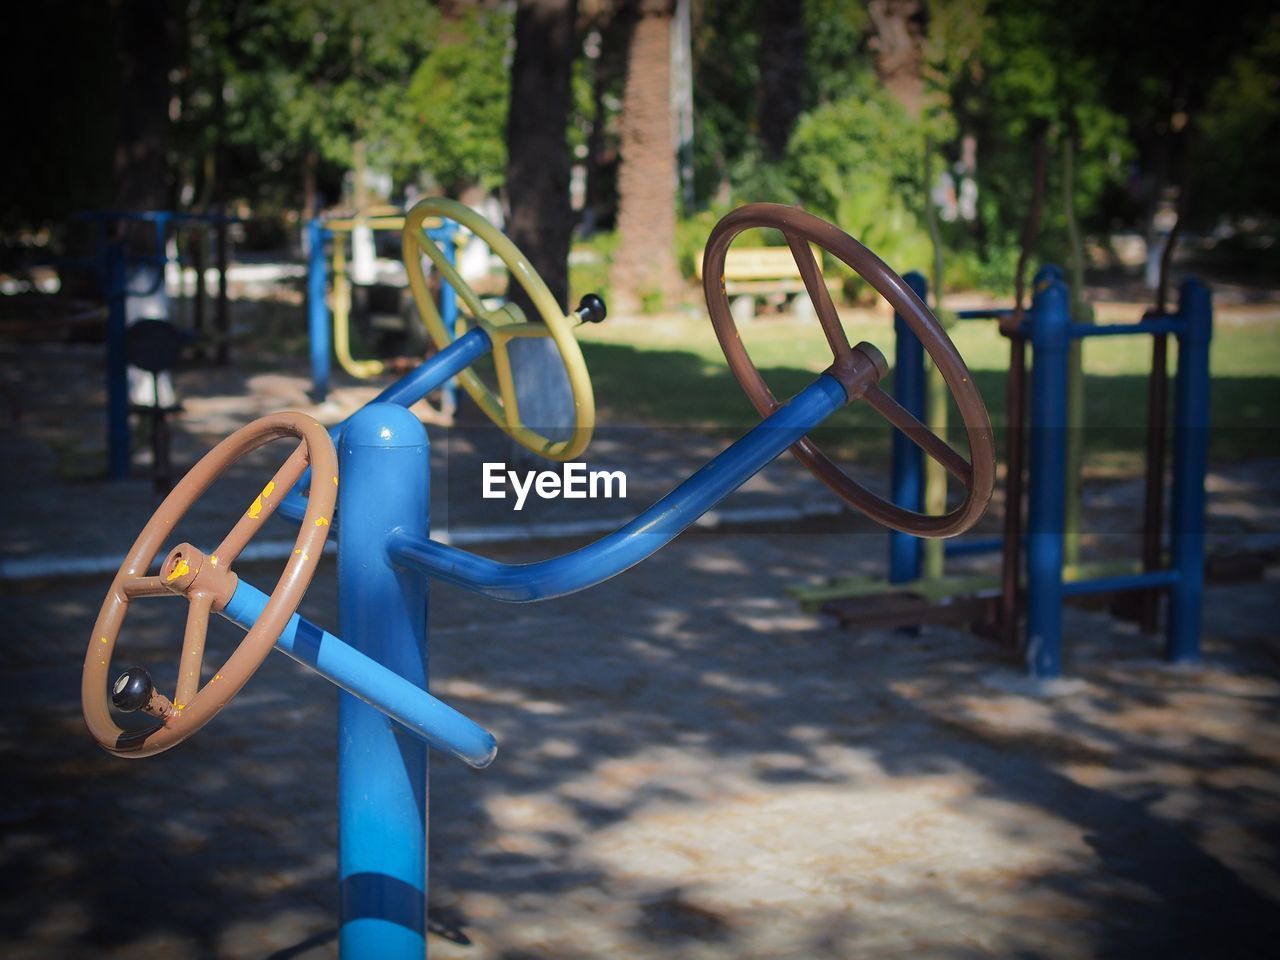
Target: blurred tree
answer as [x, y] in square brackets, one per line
[301, 82]
[781, 58]
[454, 119]
[145, 33]
[645, 265]
[725, 85]
[898, 43]
[603, 69]
[1239, 150]
[62, 123]
[541, 222]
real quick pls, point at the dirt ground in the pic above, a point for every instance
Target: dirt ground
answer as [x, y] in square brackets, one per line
[689, 766]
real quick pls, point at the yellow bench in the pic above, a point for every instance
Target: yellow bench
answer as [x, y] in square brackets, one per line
[768, 272]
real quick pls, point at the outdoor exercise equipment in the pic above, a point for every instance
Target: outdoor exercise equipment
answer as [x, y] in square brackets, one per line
[330, 317]
[154, 346]
[112, 263]
[502, 325]
[1036, 573]
[386, 557]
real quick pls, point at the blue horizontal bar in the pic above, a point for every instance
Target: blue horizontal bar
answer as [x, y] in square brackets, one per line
[969, 547]
[1120, 583]
[408, 390]
[628, 545]
[1143, 327]
[436, 370]
[986, 313]
[418, 711]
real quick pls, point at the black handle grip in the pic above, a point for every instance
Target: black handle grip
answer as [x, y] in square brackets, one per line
[592, 309]
[132, 690]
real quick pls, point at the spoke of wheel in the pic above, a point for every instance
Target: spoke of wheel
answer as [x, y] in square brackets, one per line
[192, 650]
[811, 273]
[146, 587]
[506, 382]
[451, 276]
[919, 434]
[263, 506]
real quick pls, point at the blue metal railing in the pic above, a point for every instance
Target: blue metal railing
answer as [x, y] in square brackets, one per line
[1050, 330]
[319, 318]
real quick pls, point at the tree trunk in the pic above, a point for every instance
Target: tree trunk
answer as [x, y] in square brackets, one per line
[144, 35]
[645, 265]
[541, 222]
[780, 56]
[898, 43]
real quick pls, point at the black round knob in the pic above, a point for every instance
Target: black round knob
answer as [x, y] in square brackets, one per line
[591, 309]
[132, 690]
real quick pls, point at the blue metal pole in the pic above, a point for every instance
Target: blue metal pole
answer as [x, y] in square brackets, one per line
[405, 392]
[1190, 461]
[634, 541]
[317, 310]
[382, 775]
[905, 551]
[1047, 274]
[444, 236]
[117, 370]
[1050, 319]
[436, 369]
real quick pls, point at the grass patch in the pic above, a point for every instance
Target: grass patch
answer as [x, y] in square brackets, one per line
[670, 371]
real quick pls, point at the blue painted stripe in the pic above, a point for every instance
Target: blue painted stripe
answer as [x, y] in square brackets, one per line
[418, 711]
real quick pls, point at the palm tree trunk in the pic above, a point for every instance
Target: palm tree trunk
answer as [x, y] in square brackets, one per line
[645, 265]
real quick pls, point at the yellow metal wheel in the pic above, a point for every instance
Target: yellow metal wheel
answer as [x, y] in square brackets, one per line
[502, 325]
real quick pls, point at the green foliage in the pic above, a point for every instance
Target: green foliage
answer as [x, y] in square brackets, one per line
[423, 92]
[858, 162]
[453, 123]
[1238, 145]
[724, 91]
[862, 143]
[835, 30]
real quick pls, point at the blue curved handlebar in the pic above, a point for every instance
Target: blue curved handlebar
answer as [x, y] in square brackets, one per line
[408, 390]
[637, 540]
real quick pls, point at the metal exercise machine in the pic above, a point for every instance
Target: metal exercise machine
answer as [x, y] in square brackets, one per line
[372, 492]
[1024, 605]
[329, 307]
[111, 263]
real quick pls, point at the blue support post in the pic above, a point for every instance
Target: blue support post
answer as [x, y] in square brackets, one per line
[1050, 320]
[1190, 461]
[382, 771]
[445, 235]
[905, 551]
[118, 456]
[317, 309]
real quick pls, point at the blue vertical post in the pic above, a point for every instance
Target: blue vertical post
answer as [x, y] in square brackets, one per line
[1190, 461]
[1050, 320]
[449, 305]
[1047, 274]
[118, 457]
[317, 309]
[905, 551]
[382, 770]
